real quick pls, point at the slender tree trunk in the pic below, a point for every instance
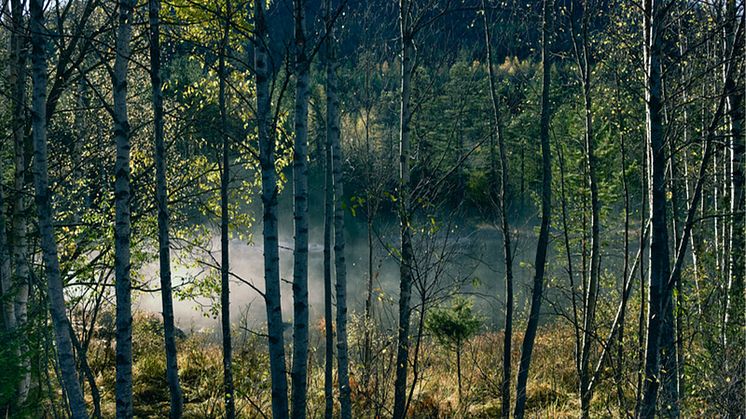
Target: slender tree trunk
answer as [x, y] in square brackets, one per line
[6, 286]
[717, 275]
[9, 314]
[19, 221]
[328, 229]
[300, 253]
[568, 255]
[683, 46]
[407, 254]
[625, 270]
[687, 194]
[19, 226]
[736, 297]
[371, 209]
[643, 302]
[716, 220]
[83, 103]
[735, 112]
[55, 291]
[458, 370]
[122, 229]
[333, 139]
[591, 295]
[225, 309]
[328, 321]
[6, 280]
[660, 348]
[505, 226]
[164, 250]
[419, 332]
[546, 212]
[85, 368]
[679, 303]
[276, 339]
[367, 350]
[677, 312]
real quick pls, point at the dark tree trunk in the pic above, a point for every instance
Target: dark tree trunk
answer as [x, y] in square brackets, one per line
[85, 368]
[407, 254]
[328, 320]
[275, 339]
[225, 309]
[328, 231]
[546, 212]
[299, 372]
[505, 226]
[643, 296]
[660, 349]
[164, 248]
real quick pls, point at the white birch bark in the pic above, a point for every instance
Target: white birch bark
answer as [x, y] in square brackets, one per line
[19, 221]
[300, 199]
[333, 138]
[122, 228]
[55, 291]
[9, 314]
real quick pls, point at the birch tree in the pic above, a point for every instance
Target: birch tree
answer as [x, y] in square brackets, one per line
[17, 90]
[164, 248]
[583, 60]
[735, 91]
[45, 211]
[328, 232]
[333, 142]
[6, 284]
[19, 222]
[300, 197]
[122, 228]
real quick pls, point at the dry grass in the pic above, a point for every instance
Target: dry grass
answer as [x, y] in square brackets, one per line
[551, 393]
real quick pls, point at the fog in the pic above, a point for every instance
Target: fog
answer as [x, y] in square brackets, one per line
[476, 260]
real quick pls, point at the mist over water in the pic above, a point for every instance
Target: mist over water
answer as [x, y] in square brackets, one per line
[476, 260]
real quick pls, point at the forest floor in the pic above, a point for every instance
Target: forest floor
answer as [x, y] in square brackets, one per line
[552, 389]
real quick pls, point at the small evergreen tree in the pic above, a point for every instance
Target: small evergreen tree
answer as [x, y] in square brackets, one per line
[453, 326]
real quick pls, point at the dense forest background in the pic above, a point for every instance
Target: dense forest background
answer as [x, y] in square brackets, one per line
[345, 208]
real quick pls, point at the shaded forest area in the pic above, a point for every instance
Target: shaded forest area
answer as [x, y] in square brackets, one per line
[412, 208]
